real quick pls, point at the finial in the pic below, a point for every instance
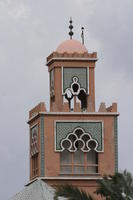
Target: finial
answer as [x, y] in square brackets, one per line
[82, 35]
[71, 27]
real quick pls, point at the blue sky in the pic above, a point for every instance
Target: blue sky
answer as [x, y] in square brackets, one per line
[29, 31]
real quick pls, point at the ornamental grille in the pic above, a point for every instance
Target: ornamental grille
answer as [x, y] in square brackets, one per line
[63, 129]
[70, 72]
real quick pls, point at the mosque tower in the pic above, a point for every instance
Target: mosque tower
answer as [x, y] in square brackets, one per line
[72, 143]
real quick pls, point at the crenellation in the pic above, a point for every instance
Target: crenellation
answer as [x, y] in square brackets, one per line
[102, 107]
[112, 108]
[38, 108]
[64, 55]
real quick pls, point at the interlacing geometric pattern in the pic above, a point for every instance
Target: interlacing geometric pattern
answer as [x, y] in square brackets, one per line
[79, 140]
[34, 140]
[92, 129]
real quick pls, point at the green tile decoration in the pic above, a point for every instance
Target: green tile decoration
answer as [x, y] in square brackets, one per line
[93, 128]
[116, 142]
[34, 131]
[34, 140]
[70, 72]
[42, 145]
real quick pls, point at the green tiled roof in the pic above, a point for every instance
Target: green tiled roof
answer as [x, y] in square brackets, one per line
[38, 190]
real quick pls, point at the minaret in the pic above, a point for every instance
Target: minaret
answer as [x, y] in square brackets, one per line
[73, 143]
[72, 72]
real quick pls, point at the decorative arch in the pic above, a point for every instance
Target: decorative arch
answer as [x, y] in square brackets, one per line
[79, 140]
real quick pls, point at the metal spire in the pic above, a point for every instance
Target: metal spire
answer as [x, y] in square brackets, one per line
[82, 35]
[71, 27]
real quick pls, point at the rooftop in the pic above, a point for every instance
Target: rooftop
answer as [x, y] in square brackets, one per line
[37, 190]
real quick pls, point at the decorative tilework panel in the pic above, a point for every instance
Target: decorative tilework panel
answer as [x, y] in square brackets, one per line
[93, 128]
[116, 142]
[34, 131]
[34, 140]
[69, 73]
[42, 144]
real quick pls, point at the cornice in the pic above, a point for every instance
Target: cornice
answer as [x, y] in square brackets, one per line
[74, 114]
[97, 177]
[55, 56]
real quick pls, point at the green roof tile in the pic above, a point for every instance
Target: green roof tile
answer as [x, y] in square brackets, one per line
[37, 190]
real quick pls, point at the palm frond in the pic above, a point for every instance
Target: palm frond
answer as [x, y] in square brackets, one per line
[118, 186]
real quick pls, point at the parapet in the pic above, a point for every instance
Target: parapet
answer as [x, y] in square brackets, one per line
[39, 108]
[71, 56]
[112, 108]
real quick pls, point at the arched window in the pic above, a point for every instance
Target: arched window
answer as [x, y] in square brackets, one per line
[92, 162]
[34, 150]
[79, 155]
[79, 162]
[66, 162]
[35, 165]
